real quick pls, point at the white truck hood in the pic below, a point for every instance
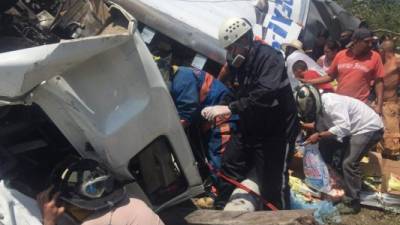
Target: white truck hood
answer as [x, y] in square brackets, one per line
[195, 24]
[107, 97]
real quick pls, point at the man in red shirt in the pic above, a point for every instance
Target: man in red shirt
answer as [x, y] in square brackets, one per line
[301, 71]
[356, 69]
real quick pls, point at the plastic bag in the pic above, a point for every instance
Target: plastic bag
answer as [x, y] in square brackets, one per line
[298, 201]
[315, 169]
[297, 186]
[325, 212]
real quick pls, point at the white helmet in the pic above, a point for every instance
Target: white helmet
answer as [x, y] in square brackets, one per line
[231, 30]
[308, 101]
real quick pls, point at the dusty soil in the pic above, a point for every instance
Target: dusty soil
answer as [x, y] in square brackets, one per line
[371, 217]
[175, 216]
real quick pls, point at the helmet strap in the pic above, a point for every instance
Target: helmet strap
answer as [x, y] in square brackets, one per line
[238, 61]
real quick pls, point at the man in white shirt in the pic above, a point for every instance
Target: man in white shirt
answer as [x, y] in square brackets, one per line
[294, 52]
[350, 122]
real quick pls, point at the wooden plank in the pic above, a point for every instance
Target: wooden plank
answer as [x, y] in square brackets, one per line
[283, 217]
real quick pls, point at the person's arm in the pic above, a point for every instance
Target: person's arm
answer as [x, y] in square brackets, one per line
[266, 87]
[316, 137]
[227, 98]
[339, 116]
[379, 87]
[319, 80]
[398, 66]
[307, 126]
[398, 63]
[379, 95]
[331, 73]
[185, 94]
[50, 211]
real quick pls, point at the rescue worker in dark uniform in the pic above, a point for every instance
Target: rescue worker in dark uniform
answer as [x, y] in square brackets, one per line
[268, 123]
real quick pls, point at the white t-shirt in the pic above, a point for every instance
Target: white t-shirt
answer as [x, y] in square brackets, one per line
[344, 116]
[311, 64]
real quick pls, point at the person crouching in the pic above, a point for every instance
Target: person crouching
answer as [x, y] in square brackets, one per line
[352, 125]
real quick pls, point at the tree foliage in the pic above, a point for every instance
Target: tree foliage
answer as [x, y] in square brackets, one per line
[379, 14]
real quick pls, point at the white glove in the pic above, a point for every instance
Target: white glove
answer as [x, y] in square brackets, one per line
[212, 112]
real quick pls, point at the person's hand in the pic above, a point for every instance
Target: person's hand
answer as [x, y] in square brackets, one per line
[212, 112]
[50, 211]
[307, 126]
[314, 138]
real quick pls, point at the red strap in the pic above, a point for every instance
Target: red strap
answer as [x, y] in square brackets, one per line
[248, 190]
[243, 187]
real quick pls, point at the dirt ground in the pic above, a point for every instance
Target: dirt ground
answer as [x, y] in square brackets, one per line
[367, 216]
[371, 217]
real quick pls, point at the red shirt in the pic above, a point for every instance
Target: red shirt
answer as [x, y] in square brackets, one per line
[311, 74]
[356, 74]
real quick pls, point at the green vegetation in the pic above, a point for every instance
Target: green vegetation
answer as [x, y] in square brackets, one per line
[379, 14]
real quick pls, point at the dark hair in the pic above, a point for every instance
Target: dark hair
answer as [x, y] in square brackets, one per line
[332, 45]
[299, 65]
[345, 40]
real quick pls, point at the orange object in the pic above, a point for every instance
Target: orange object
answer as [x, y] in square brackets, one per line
[355, 74]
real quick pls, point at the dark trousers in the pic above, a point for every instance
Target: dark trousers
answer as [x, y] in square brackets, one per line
[268, 156]
[354, 148]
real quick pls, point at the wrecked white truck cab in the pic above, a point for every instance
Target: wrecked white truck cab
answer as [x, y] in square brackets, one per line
[101, 97]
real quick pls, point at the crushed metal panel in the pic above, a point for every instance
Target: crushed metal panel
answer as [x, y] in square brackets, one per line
[117, 101]
[107, 97]
[22, 70]
[112, 96]
[196, 23]
[207, 16]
